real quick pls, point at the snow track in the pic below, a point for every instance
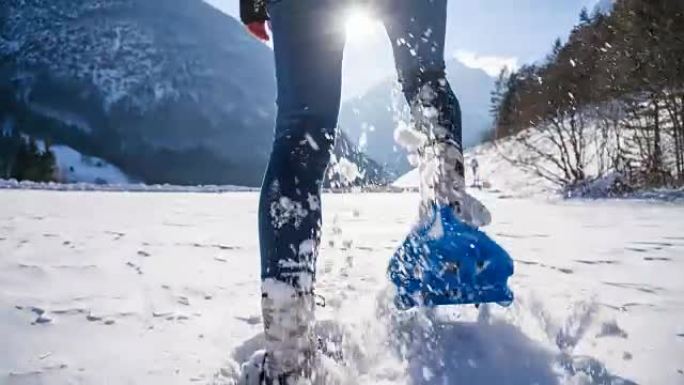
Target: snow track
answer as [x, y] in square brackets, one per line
[138, 288]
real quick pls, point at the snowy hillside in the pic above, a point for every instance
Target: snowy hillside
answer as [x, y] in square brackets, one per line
[508, 168]
[169, 91]
[76, 167]
[141, 84]
[164, 289]
[495, 171]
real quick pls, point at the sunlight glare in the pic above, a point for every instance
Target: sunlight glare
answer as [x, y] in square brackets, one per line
[360, 25]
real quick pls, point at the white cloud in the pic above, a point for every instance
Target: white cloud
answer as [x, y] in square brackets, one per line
[492, 65]
[603, 6]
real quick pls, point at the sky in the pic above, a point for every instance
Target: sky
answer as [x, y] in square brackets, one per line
[486, 34]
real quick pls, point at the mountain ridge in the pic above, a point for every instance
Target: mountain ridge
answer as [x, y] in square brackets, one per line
[371, 119]
[169, 91]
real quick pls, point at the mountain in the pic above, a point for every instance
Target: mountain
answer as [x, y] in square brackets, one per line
[371, 119]
[169, 91]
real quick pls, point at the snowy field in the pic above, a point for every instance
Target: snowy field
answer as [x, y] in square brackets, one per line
[140, 288]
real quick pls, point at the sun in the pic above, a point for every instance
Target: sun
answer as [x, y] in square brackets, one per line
[360, 25]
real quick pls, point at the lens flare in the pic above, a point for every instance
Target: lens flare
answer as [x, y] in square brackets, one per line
[360, 25]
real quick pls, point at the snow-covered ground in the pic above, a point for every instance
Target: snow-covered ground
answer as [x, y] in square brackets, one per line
[13, 184]
[138, 288]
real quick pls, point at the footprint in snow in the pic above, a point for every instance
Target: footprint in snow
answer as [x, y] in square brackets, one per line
[75, 267]
[42, 318]
[26, 266]
[657, 259]
[657, 245]
[636, 249]
[251, 320]
[627, 306]
[649, 289]
[598, 262]
[94, 318]
[117, 235]
[611, 329]
[135, 267]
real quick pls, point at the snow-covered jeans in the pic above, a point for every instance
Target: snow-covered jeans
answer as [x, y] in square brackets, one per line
[308, 41]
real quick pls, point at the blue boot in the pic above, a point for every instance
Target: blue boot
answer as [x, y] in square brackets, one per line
[445, 261]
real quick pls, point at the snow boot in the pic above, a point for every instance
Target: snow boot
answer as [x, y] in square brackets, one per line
[254, 372]
[289, 321]
[446, 260]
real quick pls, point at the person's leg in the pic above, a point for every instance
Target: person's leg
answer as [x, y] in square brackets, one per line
[445, 259]
[308, 47]
[308, 55]
[417, 30]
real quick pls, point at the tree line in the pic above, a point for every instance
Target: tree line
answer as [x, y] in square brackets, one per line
[21, 159]
[610, 99]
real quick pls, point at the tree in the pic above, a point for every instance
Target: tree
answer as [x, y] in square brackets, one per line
[612, 95]
[584, 17]
[30, 163]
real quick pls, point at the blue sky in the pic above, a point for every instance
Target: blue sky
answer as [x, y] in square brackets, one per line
[482, 33]
[524, 29]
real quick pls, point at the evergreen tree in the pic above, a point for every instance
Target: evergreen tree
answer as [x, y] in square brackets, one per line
[25, 161]
[584, 17]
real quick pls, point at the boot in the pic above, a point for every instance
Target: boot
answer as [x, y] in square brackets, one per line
[445, 259]
[289, 321]
[442, 183]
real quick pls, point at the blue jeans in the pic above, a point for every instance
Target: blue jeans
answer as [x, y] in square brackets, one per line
[309, 39]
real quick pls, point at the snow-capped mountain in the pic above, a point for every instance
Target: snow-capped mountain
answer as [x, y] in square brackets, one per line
[371, 119]
[167, 90]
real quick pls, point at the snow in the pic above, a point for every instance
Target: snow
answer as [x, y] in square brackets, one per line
[496, 171]
[408, 138]
[347, 170]
[138, 288]
[13, 184]
[498, 175]
[76, 167]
